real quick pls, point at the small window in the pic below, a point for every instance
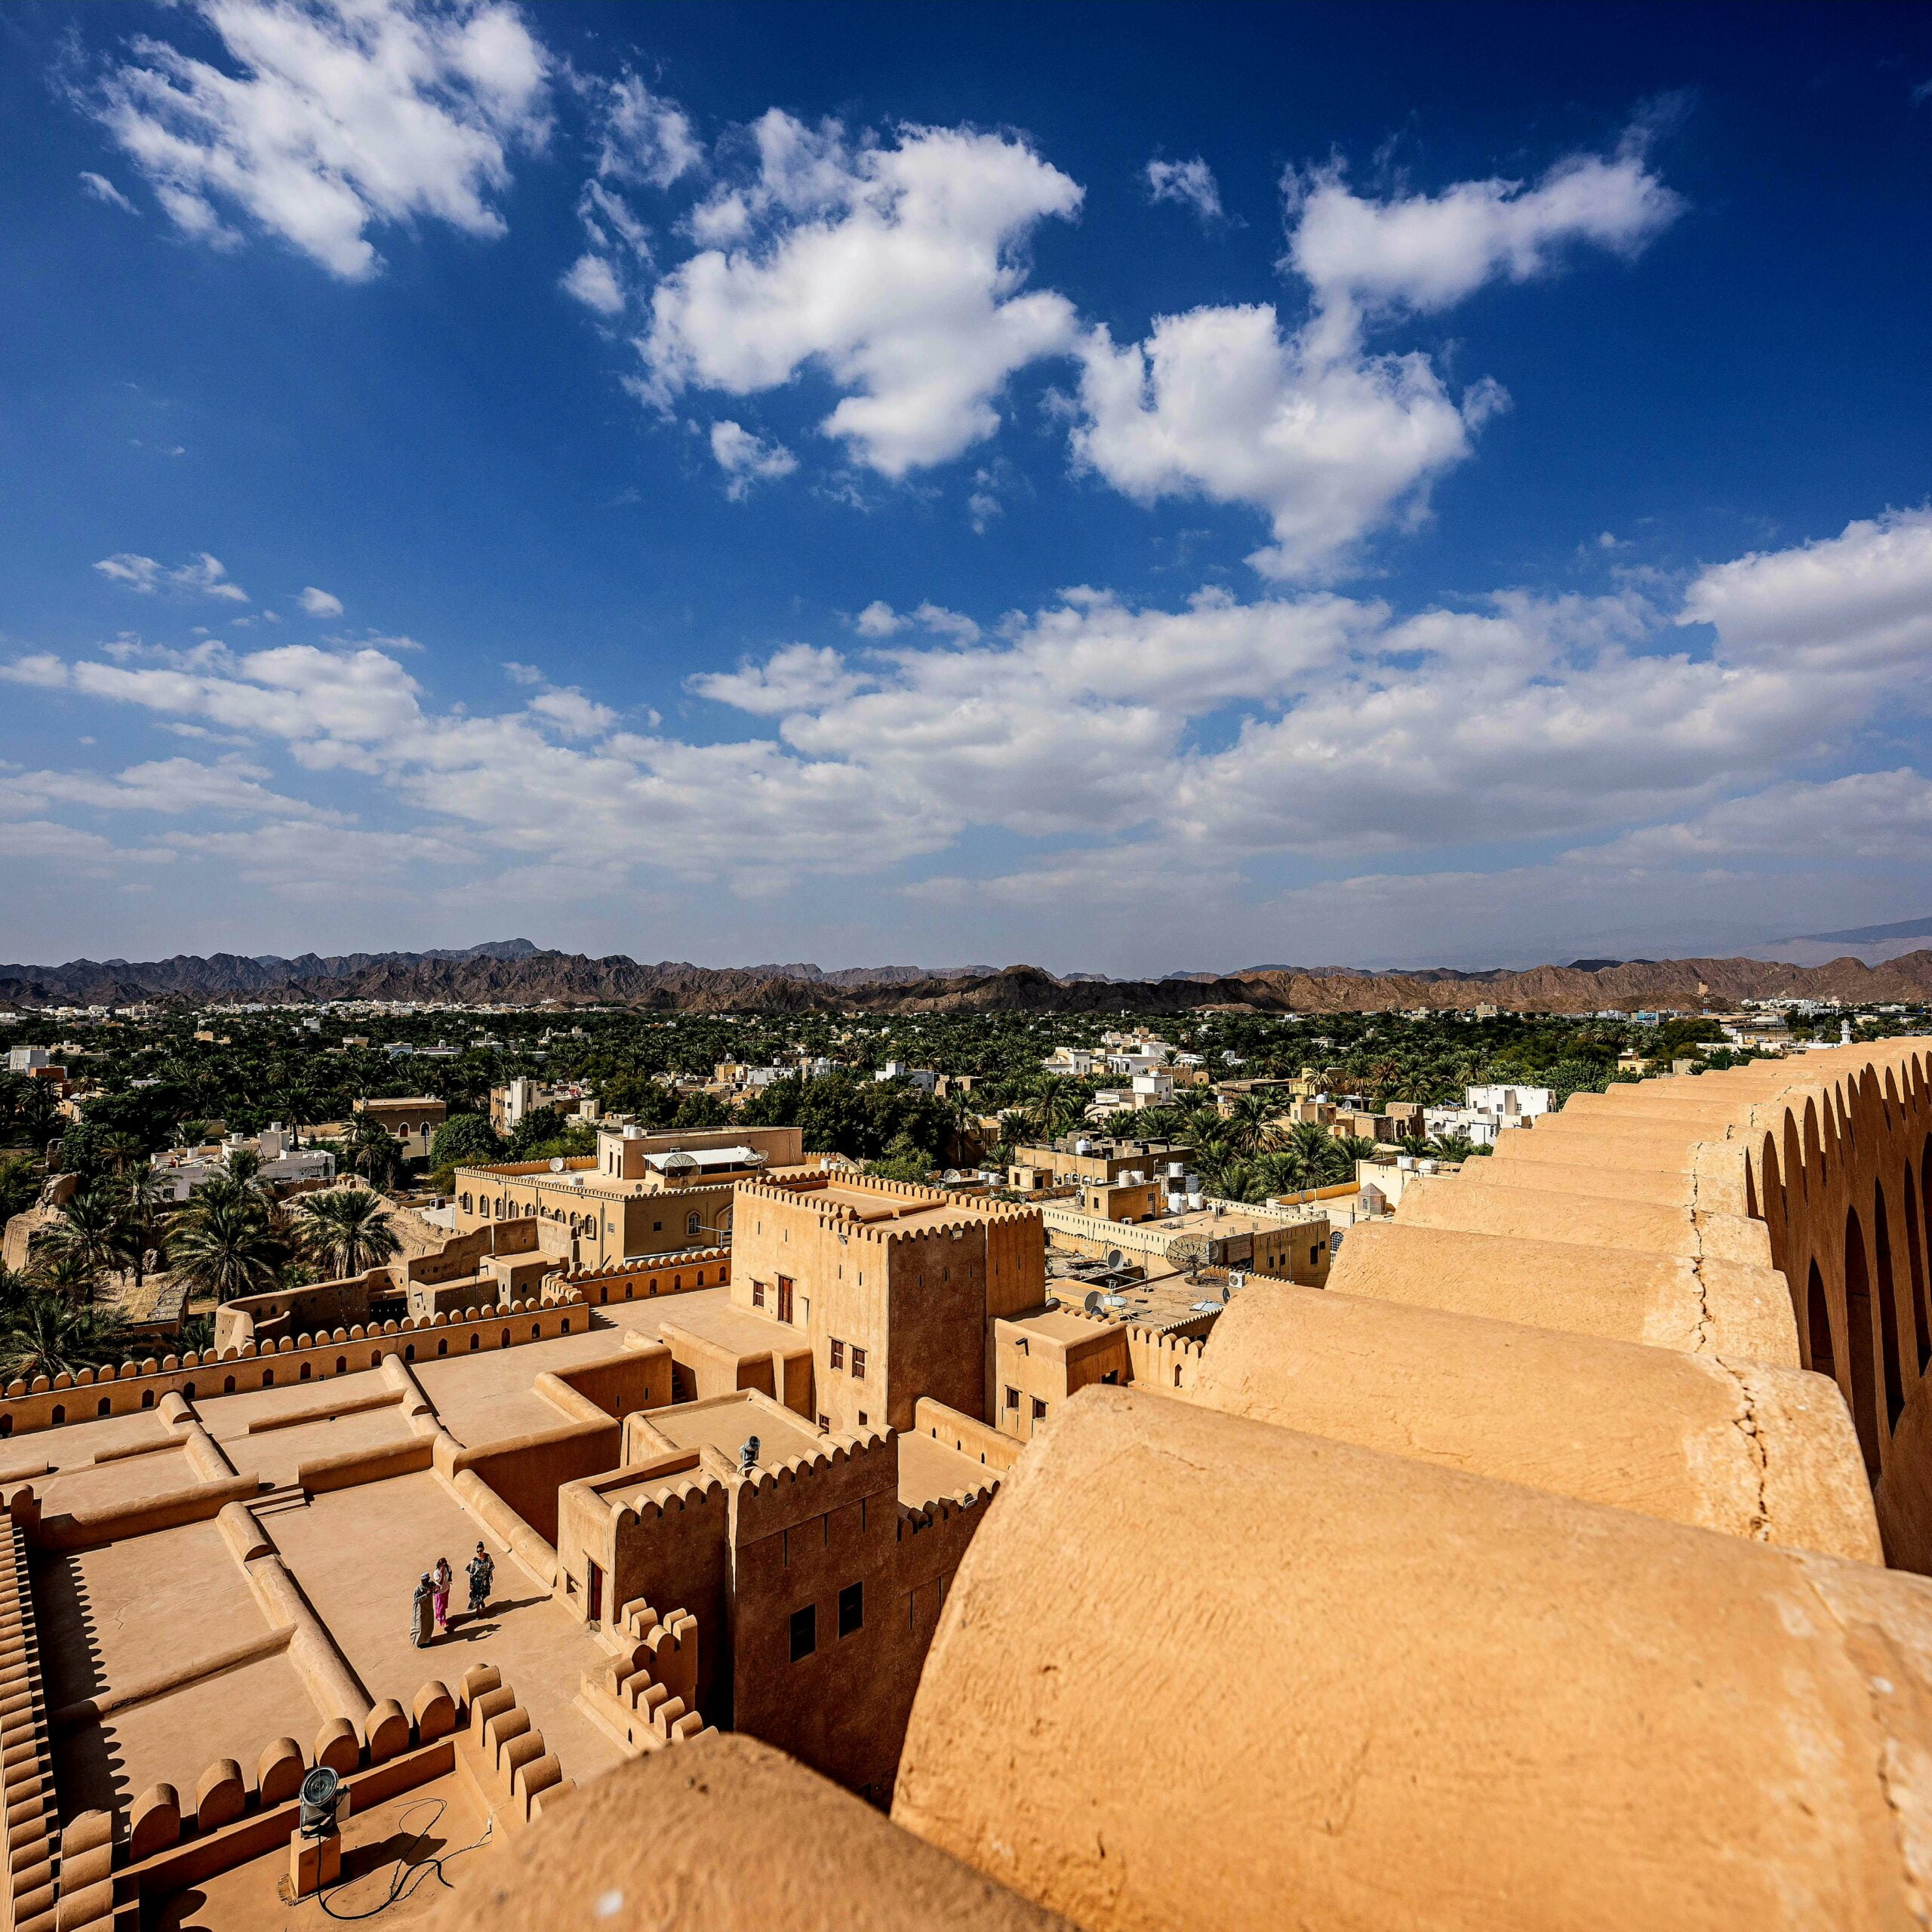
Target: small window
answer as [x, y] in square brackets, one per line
[1012, 1398]
[804, 1632]
[1039, 1409]
[851, 1609]
[864, 1420]
[858, 1364]
[758, 1294]
[824, 1422]
[838, 1355]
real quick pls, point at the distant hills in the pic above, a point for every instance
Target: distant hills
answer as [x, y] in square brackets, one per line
[1874, 935]
[519, 972]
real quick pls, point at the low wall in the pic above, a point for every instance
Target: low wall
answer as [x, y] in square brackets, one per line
[643, 1279]
[527, 1473]
[135, 1386]
[323, 1304]
[33, 1818]
[463, 1254]
[967, 1434]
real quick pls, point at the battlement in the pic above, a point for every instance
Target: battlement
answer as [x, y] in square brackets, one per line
[832, 1452]
[113, 1869]
[944, 1509]
[646, 1700]
[699, 1490]
[46, 1402]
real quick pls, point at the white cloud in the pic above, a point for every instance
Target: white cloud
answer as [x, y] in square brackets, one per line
[1330, 440]
[320, 603]
[205, 576]
[574, 715]
[801, 677]
[102, 189]
[1868, 817]
[332, 117]
[643, 136]
[522, 674]
[895, 270]
[1217, 403]
[1185, 744]
[746, 459]
[175, 785]
[1859, 601]
[1425, 253]
[1190, 183]
[594, 282]
[879, 619]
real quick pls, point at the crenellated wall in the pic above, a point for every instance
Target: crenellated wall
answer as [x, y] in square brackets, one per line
[43, 1403]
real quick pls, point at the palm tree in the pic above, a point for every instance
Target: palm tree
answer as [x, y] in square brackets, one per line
[228, 1245]
[1058, 1104]
[88, 1240]
[243, 1171]
[144, 1196]
[370, 1150]
[347, 1230]
[48, 1335]
[1246, 1125]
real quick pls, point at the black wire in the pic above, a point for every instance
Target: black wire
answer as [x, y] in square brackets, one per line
[402, 1884]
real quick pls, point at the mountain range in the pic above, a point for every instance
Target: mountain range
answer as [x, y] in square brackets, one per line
[517, 972]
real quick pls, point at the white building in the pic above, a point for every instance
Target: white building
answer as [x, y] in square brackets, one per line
[28, 1060]
[184, 1169]
[1511, 1105]
[924, 1078]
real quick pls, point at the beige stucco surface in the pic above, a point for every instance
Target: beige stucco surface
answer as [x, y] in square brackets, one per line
[1752, 1450]
[1390, 1695]
[727, 1835]
[393, 1530]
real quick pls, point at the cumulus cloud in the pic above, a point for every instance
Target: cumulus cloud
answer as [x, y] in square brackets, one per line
[594, 282]
[174, 786]
[1190, 183]
[879, 619]
[1200, 740]
[1859, 602]
[320, 603]
[1330, 439]
[102, 189]
[204, 576]
[746, 459]
[801, 677]
[331, 118]
[1867, 816]
[1425, 253]
[570, 711]
[897, 270]
[642, 137]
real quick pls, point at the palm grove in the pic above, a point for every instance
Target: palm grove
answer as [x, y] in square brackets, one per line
[176, 1079]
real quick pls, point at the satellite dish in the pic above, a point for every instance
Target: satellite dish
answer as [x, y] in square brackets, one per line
[556, 1164]
[1113, 1257]
[951, 1174]
[1092, 1302]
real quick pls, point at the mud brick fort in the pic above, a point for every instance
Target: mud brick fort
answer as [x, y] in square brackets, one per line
[1562, 1562]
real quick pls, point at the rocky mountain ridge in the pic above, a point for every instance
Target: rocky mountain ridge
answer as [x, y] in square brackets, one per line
[517, 972]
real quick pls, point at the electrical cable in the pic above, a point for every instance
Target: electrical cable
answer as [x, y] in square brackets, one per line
[402, 1885]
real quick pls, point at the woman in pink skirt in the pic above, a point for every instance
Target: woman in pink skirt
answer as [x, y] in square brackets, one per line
[445, 1576]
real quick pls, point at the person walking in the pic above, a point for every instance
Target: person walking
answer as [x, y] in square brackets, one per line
[444, 1577]
[482, 1573]
[422, 1612]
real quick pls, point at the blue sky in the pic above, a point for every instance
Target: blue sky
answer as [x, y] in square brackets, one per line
[1127, 489]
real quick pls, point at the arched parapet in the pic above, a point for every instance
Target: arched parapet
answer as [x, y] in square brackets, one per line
[1775, 1212]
